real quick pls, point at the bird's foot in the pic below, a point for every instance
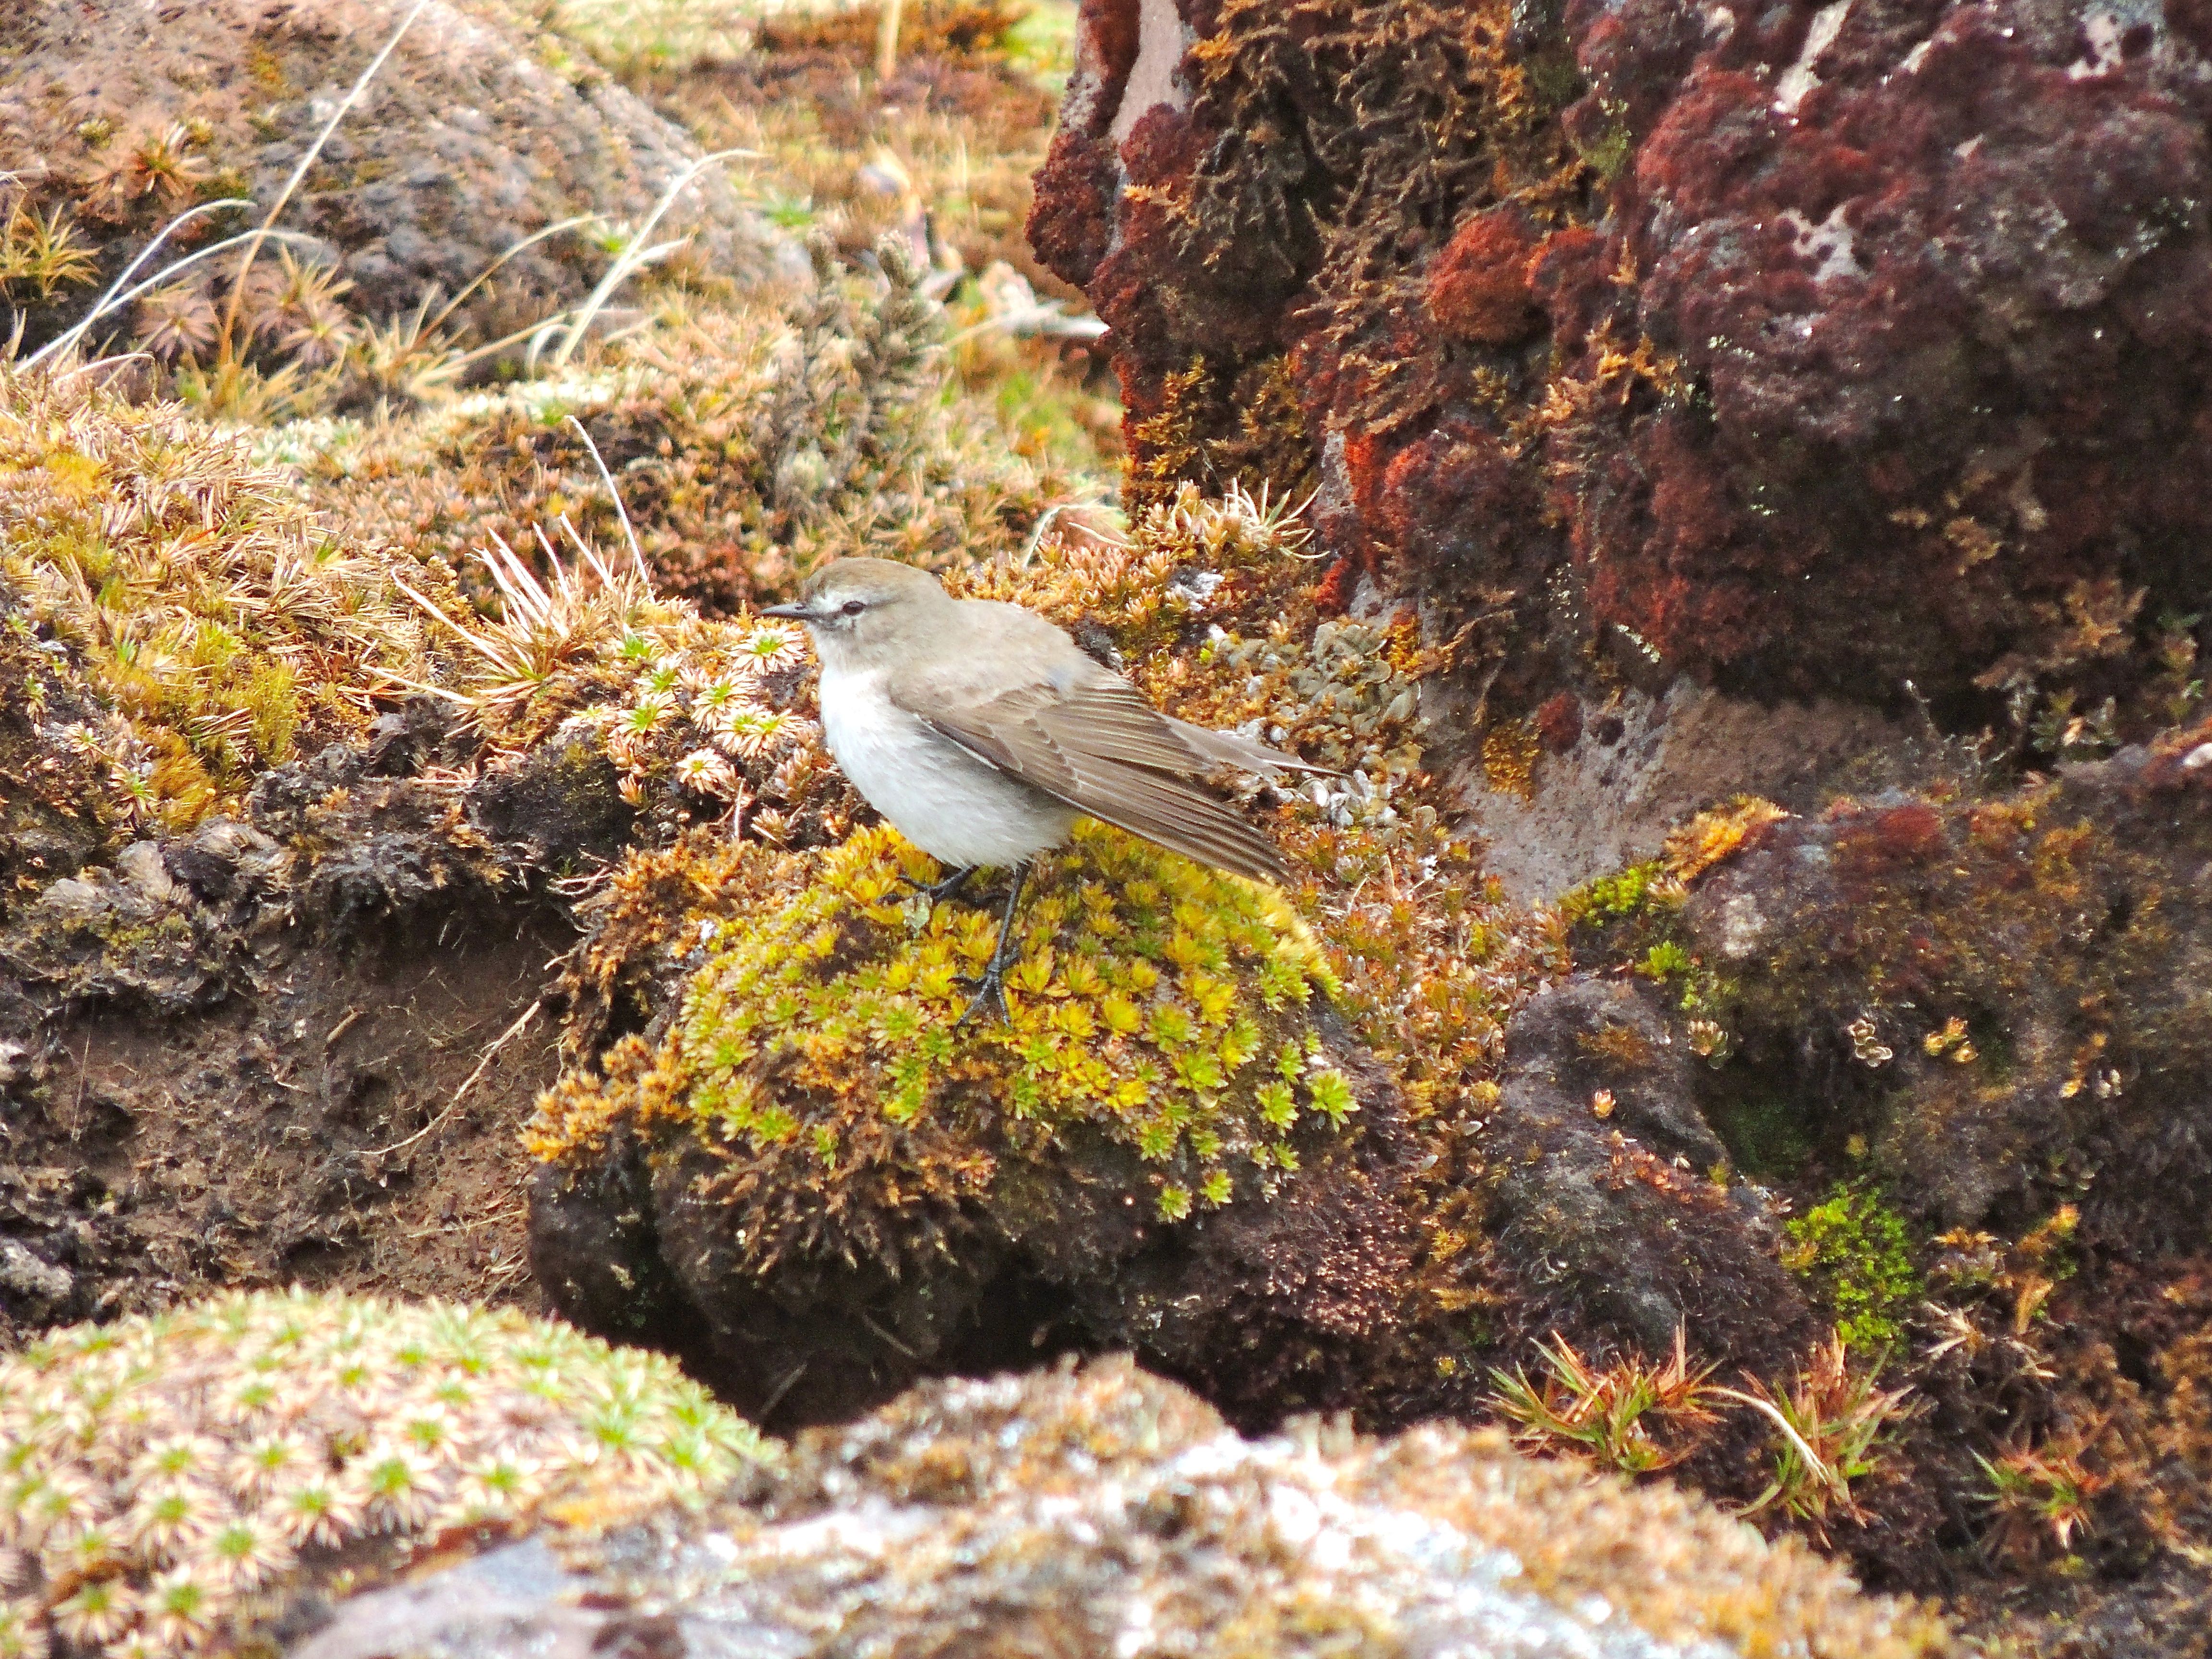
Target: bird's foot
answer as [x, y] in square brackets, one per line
[991, 990]
[991, 986]
[938, 891]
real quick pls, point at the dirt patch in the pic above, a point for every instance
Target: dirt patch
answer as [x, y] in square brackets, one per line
[317, 1135]
[291, 1048]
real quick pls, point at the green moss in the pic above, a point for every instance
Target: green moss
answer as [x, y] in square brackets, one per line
[1856, 1250]
[1614, 147]
[1609, 898]
[1149, 1000]
[1154, 1006]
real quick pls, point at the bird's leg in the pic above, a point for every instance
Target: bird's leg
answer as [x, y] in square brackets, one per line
[991, 986]
[938, 891]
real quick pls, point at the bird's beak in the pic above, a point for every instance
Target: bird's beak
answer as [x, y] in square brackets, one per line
[797, 612]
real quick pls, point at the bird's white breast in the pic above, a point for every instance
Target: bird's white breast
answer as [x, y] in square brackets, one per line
[957, 809]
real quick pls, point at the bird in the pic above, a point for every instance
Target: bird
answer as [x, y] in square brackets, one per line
[982, 733]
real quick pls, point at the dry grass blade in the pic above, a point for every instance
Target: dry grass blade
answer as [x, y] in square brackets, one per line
[307, 161]
[115, 297]
[639, 251]
[544, 628]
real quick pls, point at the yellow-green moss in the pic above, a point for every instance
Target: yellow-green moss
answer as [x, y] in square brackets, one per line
[162, 1478]
[1154, 1004]
[1606, 898]
[204, 605]
[1856, 1249]
[1162, 1004]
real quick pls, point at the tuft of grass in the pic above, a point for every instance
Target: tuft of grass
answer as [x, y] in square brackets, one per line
[1631, 1416]
[1832, 1421]
[2041, 1495]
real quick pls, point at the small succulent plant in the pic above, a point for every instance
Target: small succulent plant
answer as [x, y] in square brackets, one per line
[161, 1476]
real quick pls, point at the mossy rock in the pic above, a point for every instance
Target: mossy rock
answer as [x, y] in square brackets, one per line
[1169, 1139]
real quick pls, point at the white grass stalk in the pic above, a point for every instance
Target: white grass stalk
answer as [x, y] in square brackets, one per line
[109, 301]
[638, 254]
[637, 553]
[307, 161]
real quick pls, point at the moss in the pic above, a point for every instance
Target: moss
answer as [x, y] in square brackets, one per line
[1510, 753]
[1610, 898]
[203, 603]
[1765, 1132]
[1856, 1250]
[1153, 1003]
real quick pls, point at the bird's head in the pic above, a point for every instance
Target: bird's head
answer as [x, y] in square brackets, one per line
[868, 613]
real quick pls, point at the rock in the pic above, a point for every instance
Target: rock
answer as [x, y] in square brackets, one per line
[1869, 365]
[1991, 993]
[1608, 795]
[468, 141]
[223, 860]
[35, 1289]
[141, 865]
[1061, 1511]
[1613, 1200]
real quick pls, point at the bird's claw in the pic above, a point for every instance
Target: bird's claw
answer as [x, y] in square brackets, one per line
[991, 989]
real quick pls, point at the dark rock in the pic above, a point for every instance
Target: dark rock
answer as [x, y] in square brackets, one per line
[236, 92]
[1608, 1204]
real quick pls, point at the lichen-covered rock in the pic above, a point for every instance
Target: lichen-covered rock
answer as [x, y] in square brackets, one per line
[1808, 348]
[471, 140]
[1101, 1509]
[2000, 996]
[1170, 1143]
[170, 1482]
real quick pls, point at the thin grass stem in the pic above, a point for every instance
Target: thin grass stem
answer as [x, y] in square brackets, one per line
[637, 553]
[307, 161]
[108, 301]
[627, 263]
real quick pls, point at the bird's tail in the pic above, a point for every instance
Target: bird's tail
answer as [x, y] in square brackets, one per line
[1245, 754]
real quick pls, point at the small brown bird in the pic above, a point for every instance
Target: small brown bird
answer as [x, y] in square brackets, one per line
[982, 733]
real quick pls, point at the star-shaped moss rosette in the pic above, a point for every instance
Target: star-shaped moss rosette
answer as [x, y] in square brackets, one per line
[1164, 1007]
[161, 1477]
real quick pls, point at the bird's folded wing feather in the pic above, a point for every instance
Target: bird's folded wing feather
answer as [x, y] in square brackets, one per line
[1100, 747]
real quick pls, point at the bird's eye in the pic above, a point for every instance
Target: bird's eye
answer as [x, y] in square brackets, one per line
[852, 607]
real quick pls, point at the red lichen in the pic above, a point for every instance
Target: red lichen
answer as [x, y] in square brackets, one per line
[1479, 285]
[1559, 723]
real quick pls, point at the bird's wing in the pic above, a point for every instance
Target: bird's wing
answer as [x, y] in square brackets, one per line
[1095, 743]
